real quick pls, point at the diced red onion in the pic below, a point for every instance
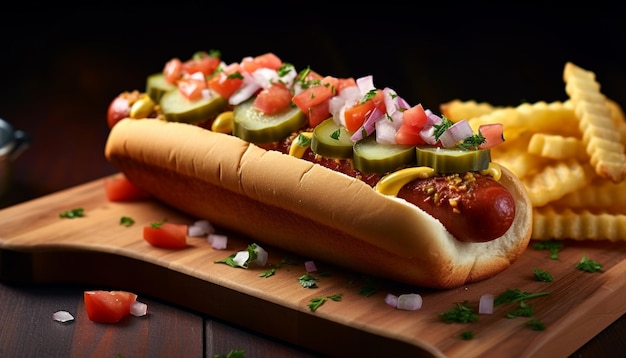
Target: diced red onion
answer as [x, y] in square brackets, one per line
[62, 316]
[310, 266]
[456, 133]
[218, 242]
[138, 309]
[391, 300]
[369, 125]
[409, 301]
[428, 132]
[485, 306]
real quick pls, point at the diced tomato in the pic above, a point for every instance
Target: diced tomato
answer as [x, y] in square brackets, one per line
[191, 86]
[267, 60]
[108, 306]
[493, 133]
[273, 99]
[356, 115]
[166, 235]
[118, 109]
[119, 188]
[413, 121]
[201, 62]
[313, 101]
[227, 81]
[173, 70]
[344, 83]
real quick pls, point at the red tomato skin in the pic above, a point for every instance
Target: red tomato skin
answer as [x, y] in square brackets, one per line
[168, 235]
[201, 62]
[108, 306]
[118, 110]
[493, 133]
[224, 85]
[119, 188]
[267, 60]
[273, 99]
[173, 70]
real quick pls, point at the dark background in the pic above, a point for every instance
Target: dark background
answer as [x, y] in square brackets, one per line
[62, 67]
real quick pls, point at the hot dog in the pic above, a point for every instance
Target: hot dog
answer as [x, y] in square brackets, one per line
[421, 226]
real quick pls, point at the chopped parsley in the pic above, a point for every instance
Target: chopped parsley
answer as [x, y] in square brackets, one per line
[335, 134]
[551, 245]
[157, 224]
[461, 313]
[318, 301]
[516, 295]
[74, 213]
[234, 353]
[467, 335]
[303, 141]
[307, 281]
[588, 265]
[252, 255]
[542, 275]
[126, 221]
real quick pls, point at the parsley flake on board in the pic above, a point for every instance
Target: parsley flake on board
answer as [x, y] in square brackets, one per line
[461, 313]
[318, 301]
[588, 265]
[307, 281]
[126, 221]
[541, 275]
[74, 213]
[516, 295]
[551, 245]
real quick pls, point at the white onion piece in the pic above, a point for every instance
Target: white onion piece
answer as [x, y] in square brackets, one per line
[241, 258]
[428, 132]
[200, 228]
[386, 132]
[138, 309]
[456, 133]
[264, 77]
[247, 90]
[62, 316]
[485, 306]
[218, 242]
[365, 84]
[336, 105]
[391, 300]
[310, 266]
[261, 258]
[409, 302]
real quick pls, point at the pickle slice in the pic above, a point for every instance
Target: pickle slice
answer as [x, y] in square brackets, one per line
[177, 108]
[331, 140]
[157, 86]
[373, 157]
[254, 126]
[446, 161]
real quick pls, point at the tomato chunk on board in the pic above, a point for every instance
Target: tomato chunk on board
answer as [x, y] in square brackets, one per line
[119, 188]
[166, 235]
[108, 306]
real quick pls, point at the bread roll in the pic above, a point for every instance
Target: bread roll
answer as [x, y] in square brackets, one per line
[304, 208]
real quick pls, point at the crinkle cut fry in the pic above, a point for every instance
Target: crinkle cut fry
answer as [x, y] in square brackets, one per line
[552, 224]
[602, 137]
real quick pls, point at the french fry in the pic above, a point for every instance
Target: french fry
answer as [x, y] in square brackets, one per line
[555, 146]
[457, 110]
[600, 134]
[549, 223]
[569, 155]
[556, 180]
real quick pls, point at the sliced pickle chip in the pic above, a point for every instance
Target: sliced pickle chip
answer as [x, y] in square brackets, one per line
[447, 161]
[373, 157]
[254, 126]
[157, 86]
[331, 140]
[177, 108]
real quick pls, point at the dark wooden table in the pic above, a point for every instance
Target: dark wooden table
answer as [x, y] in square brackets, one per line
[59, 83]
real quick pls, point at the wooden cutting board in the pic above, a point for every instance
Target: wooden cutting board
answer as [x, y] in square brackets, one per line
[37, 246]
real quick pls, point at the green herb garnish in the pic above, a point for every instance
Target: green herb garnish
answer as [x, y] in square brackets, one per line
[318, 301]
[542, 275]
[461, 313]
[74, 213]
[126, 221]
[551, 245]
[516, 295]
[588, 265]
[307, 281]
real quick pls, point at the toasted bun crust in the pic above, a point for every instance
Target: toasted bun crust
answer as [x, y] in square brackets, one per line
[305, 208]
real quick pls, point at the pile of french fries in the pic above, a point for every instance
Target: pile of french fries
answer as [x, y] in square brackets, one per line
[569, 155]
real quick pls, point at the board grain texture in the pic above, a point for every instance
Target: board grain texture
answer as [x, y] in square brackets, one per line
[37, 246]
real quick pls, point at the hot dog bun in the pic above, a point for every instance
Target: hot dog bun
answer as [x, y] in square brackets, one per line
[305, 208]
